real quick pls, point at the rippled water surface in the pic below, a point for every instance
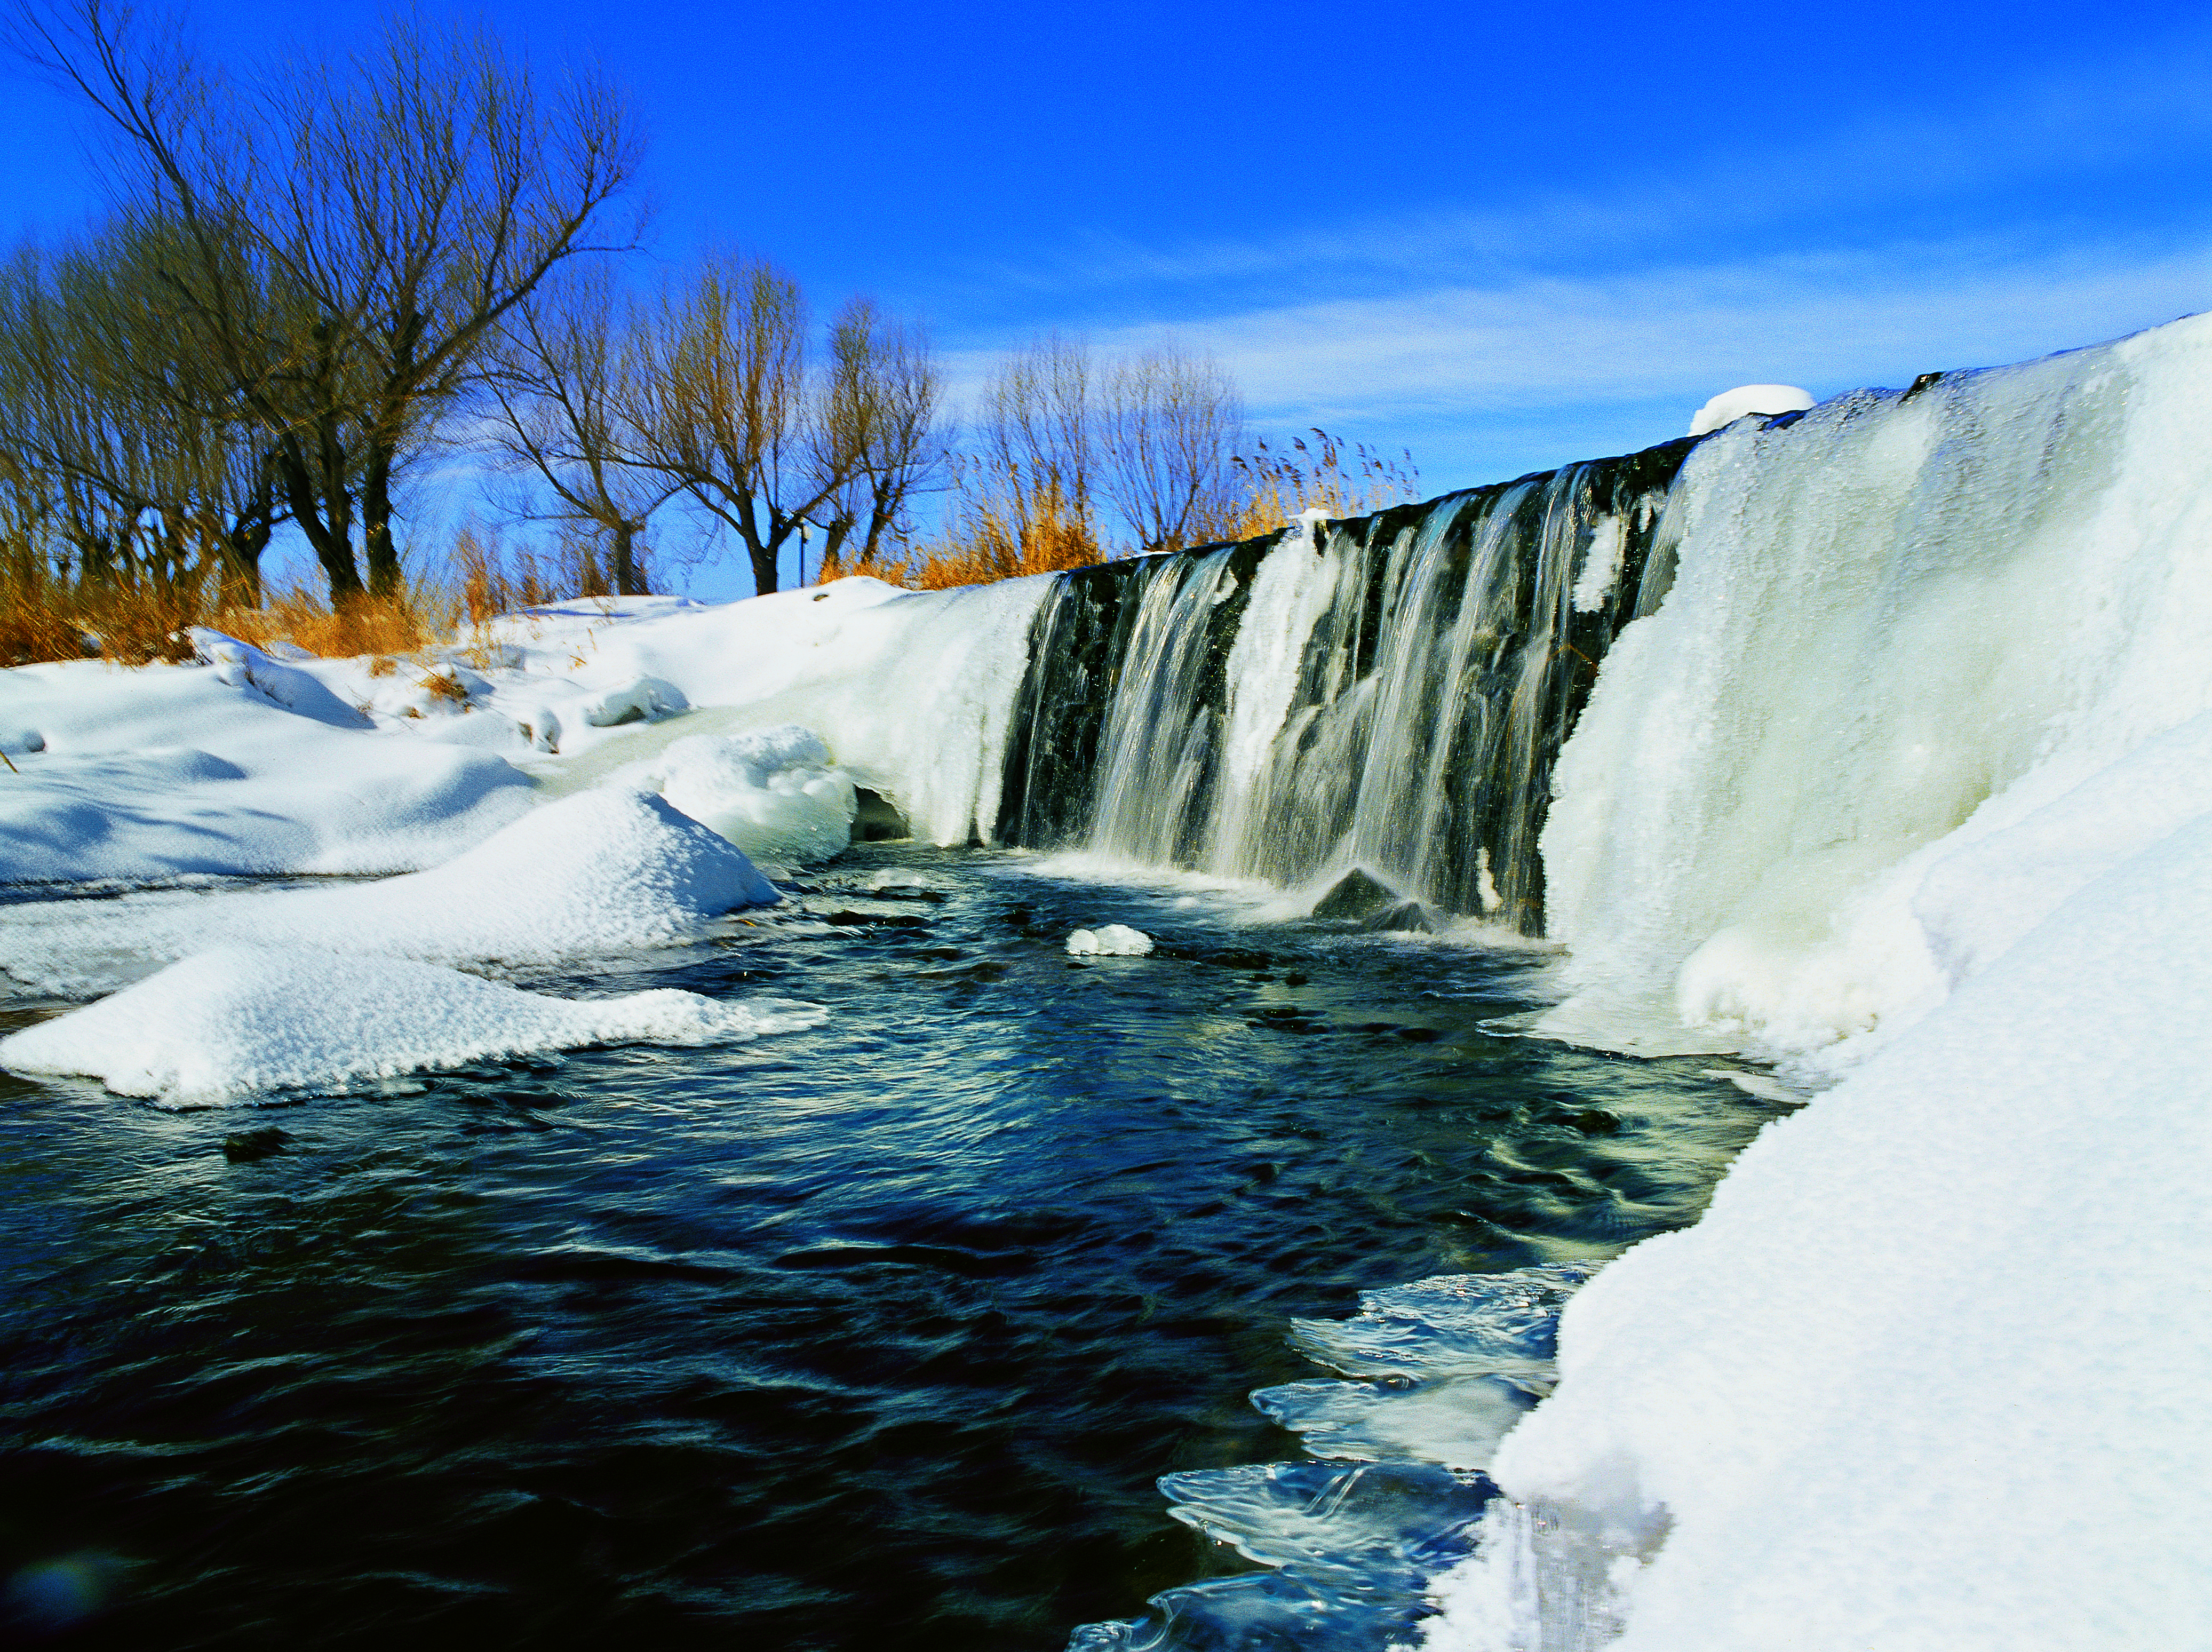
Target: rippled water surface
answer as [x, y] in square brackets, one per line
[876, 1336]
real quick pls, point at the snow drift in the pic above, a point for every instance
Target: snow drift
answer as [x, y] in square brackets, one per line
[240, 1021]
[596, 873]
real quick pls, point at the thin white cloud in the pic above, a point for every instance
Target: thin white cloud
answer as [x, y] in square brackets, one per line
[1538, 345]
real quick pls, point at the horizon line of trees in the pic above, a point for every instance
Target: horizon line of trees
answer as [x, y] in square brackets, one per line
[312, 287]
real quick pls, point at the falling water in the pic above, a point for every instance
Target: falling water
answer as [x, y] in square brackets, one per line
[1387, 692]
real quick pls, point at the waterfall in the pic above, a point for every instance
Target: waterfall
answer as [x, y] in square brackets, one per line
[1388, 692]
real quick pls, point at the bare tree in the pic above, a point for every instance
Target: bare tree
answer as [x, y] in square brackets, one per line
[1170, 427]
[731, 406]
[143, 470]
[886, 391]
[568, 378]
[348, 238]
[1038, 439]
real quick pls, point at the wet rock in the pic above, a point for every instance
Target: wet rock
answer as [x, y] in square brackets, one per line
[1356, 895]
[246, 1146]
[845, 918]
[1405, 917]
[1596, 1121]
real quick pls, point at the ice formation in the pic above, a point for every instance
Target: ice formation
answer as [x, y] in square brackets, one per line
[1897, 628]
[773, 792]
[1110, 941]
[239, 1021]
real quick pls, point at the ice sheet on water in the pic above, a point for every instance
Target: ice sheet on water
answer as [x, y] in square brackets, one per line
[1455, 1421]
[1454, 1324]
[1362, 1530]
[1349, 1551]
[1352, 1546]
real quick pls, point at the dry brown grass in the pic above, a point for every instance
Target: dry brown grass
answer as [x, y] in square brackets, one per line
[988, 547]
[42, 620]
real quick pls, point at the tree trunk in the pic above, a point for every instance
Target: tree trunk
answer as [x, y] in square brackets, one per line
[627, 581]
[763, 559]
[331, 539]
[384, 578]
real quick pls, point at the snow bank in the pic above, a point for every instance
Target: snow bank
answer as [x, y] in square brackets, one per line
[238, 1020]
[911, 692]
[1733, 404]
[774, 794]
[1908, 782]
[1110, 941]
[1929, 1372]
[247, 766]
[593, 874]
[1793, 811]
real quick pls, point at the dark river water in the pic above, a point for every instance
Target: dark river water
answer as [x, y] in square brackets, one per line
[874, 1336]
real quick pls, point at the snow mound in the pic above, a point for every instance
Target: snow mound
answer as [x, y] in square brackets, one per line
[240, 1021]
[596, 873]
[279, 775]
[241, 665]
[1928, 1373]
[1733, 404]
[642, 699]
[772, 792]
[1110, 941]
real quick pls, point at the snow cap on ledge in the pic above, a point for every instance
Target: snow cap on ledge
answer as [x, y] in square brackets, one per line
[1733, 404]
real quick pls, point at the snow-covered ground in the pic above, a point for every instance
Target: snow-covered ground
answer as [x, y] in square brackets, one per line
[569, 784]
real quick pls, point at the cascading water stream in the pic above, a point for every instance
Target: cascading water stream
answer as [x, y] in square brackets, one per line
[1388, 692]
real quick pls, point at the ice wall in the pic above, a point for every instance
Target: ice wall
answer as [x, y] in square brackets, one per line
[1897, 626]
[1388, 691]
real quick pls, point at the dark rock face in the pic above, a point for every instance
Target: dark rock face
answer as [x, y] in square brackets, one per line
[1450, 652]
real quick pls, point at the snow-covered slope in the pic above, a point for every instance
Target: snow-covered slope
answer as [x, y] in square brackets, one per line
[248, 764]
[1908, 782]
[1930, 1373]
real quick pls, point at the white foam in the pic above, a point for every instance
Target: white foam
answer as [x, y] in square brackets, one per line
[237, 1022]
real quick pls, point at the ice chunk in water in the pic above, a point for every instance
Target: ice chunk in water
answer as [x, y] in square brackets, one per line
[1454, 1324]
[1110, 941]
[1456, 1421]
[1366, 1528]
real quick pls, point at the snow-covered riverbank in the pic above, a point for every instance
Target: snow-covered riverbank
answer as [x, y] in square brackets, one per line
[1903, 786]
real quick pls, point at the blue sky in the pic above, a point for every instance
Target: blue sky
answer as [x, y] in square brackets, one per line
[1503, 238]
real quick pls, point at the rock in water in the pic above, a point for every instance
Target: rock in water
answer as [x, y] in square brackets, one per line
[1356, 895]
[1405, 918]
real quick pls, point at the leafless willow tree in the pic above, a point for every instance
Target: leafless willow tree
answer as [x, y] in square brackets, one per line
[127, 462]
[347, 234]
[1064, 444]
[1036, 441]
[732, 406]
[569, 381]
[885, 388]
[1171, 425]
